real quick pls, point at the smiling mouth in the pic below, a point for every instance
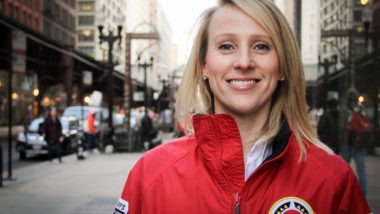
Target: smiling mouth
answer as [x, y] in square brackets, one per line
[243, 83]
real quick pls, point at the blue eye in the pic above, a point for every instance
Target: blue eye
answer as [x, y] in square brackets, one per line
[262, 47]
[225, 47]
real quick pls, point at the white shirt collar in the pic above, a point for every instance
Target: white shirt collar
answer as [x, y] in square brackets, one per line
[259, 152]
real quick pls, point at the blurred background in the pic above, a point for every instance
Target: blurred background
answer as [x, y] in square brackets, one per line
[124, 59]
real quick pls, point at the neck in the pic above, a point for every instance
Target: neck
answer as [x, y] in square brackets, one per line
[250, 128]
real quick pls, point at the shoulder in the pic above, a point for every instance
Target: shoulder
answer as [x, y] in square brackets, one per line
[170, 151]
[329, 166]
[163, 158]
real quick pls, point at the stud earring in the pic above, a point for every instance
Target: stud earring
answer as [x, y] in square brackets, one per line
[282, 78]
[204, 77]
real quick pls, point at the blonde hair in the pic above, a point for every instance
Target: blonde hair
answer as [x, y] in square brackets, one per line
[289, 97]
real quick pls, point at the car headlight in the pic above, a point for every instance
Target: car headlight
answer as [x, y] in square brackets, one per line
[21, 137]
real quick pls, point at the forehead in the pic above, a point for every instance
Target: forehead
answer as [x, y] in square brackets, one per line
[232, 19]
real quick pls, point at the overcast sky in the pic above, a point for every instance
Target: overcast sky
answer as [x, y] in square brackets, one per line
[183, 14]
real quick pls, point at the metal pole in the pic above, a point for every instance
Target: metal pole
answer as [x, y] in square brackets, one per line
[326, 66]
[145, 65]
[10, 111]
[110, 38]
[1, 165]
[351, 60]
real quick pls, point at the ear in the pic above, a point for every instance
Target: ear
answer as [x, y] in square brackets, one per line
[204, 74]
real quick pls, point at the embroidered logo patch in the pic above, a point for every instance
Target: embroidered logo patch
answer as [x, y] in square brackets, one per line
[291, 205]
[121, 207]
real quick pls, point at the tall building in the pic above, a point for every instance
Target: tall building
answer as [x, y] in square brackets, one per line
[59, 21]
[310, 34]
[27, 13]
[90, 13]
[303, 17]
[342, 15]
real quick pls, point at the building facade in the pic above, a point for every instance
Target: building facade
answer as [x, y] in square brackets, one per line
[59, 19]
[28, 13]
[93, 13]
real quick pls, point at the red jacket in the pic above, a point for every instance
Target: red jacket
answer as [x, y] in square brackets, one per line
[91, 123]
[204, 173]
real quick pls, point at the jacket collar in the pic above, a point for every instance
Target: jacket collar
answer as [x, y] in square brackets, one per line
[220, 146]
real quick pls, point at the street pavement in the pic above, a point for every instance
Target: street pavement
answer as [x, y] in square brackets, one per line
[93, 186]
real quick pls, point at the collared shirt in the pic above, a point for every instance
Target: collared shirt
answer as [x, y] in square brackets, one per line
[259, 152]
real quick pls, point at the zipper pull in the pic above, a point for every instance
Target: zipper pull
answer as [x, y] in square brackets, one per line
[237, 201]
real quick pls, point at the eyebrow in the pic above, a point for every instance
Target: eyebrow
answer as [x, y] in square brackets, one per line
[259, 36]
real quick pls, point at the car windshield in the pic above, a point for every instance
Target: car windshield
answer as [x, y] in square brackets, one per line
[68, 124]
[78, 113]
[34, 126]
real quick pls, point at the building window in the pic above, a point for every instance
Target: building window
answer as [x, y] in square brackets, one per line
[10, 10]
[86, 6]
[86, 35]
[37, 23]
[87, 50]
[23, 17]
[86, 20]
[357, 16]
[30, 21]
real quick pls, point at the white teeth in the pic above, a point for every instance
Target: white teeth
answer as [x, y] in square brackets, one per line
[242, 82]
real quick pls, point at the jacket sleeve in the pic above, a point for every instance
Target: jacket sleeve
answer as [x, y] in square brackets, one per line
[131, 198]
[352, 199]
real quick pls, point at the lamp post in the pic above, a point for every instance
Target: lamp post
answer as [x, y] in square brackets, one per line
[367, 20]
[145, 66]
[110, 39]
[161, 104]
[326, 64]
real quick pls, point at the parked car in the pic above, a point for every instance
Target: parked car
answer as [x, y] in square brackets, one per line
[101, 121]
[31, 140]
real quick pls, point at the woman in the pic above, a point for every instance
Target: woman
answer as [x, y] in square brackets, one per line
[253, 149]
[52, 129]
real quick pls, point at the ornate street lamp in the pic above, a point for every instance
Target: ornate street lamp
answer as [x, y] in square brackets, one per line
[326, 64]
[367, 19]
[145, 66]
[110, 39]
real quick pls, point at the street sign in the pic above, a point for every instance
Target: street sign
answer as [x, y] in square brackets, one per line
[18, 51]
[335, 33]
[87, 78]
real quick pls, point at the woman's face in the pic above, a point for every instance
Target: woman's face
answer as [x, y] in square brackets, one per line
[241, 63]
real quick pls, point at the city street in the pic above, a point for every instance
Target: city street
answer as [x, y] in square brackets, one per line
[93, 185]
[89, 186]
[16, 162]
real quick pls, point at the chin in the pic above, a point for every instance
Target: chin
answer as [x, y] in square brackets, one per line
[239, 110]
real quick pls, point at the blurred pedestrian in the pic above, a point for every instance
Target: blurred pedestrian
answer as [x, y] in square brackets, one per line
[327, 126]
[91, 131]
[147, 129]
[311, 112]
[253, 149]
[359, 136]
[52, 130]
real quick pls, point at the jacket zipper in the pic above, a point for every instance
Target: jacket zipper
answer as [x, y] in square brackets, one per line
[237, 201]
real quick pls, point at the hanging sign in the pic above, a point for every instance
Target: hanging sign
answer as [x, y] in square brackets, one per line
[18, 51]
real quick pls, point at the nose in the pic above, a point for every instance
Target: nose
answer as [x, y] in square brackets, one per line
[244, 60]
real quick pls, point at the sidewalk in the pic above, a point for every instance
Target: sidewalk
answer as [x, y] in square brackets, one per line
[15, 130]
[92, 186]
[74, 187]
